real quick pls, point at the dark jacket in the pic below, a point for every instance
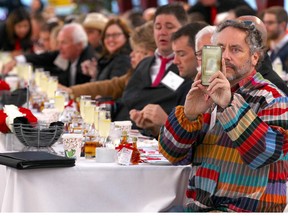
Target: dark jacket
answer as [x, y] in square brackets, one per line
[138, 92]
[7, 45]
[268, 73]
[46, 61]
[283, 55]
[115, 65]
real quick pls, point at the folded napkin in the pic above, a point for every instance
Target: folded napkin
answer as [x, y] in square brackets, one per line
[35, 159]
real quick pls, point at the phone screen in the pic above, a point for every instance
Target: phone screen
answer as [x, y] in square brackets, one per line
[211, 62]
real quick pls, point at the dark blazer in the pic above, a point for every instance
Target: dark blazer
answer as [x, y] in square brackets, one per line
[45, 60]
[115, 65]
[283, 55]
[138, 92]
[268, 73]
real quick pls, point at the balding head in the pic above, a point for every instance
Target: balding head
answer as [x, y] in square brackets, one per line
[259, 26]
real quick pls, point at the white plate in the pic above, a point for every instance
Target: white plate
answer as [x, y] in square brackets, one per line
[158, 162]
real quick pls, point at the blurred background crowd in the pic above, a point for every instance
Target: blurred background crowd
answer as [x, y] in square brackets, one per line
[45, 15]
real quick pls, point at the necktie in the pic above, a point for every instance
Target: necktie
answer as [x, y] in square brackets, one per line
[272, 55]
[162, 69]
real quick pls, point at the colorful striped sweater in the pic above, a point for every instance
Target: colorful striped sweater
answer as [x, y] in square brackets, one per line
[240, 164]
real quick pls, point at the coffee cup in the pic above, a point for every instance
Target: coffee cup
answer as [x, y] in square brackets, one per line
[72, 145]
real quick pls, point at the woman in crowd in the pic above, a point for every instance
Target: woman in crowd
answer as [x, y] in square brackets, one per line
[143, 45]
[114, 60]
[16, 32]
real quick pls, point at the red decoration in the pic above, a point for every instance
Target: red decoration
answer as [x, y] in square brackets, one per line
[30, 117]
[4, 85]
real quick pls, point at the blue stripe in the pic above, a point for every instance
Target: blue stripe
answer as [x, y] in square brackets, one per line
[269, 150]
[236, 118]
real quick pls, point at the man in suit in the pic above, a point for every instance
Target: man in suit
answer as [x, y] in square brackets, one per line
[145, 85]
[276, 19]
[152, 116]
[65, 63]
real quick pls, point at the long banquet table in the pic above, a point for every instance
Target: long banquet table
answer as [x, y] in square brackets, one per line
[92, 187]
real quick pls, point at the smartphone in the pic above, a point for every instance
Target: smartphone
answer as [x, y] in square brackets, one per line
[211, 62]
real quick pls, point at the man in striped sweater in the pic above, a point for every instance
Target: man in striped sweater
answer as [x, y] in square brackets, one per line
[233, 131]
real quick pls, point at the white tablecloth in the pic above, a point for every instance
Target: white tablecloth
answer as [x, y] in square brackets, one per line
[93, 187]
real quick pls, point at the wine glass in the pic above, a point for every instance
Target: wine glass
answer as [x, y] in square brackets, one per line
[59, 100]
[104, 124]
[52, 86]
[82, 100]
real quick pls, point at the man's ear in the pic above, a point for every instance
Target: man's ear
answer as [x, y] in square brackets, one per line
[255, 58]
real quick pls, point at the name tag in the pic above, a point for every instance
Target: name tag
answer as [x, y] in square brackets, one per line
[172, 80]
[61, 63]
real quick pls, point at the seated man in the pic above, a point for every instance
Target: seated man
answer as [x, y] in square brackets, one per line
[232, 131]
[152, 116]
[65, 63]
[145, 85]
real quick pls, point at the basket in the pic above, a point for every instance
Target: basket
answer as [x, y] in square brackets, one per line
[38, 135]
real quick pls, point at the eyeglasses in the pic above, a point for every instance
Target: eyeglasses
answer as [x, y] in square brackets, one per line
[113, 36]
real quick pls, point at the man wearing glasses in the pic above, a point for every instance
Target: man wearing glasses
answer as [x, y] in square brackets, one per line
[235, 130]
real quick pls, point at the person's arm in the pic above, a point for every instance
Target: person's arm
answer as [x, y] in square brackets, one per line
[113, 87]
[11, 64]
[260, 138]
[151, 117]
[185, 124]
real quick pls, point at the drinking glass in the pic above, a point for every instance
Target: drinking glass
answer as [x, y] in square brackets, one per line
[82, 99]
[89, 107]
[52, 86]
[96, 118]
[104, 124]
[59, 100]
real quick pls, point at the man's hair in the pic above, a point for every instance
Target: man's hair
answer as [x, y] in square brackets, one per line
[204, 31]
[190, 30]
[279, 12]
[143, 36]
[176, 10]
[78, 33]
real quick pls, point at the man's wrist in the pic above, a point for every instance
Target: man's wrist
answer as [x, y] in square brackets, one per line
[221, 109]
[190, 117]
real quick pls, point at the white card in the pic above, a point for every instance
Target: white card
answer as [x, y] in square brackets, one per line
[124, 156]
[172, 80]
[213, 118]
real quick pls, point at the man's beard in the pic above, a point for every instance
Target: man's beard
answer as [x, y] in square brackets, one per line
[238, 71]
[273, 35]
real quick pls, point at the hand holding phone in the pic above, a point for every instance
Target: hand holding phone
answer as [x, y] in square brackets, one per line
[211, 62]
